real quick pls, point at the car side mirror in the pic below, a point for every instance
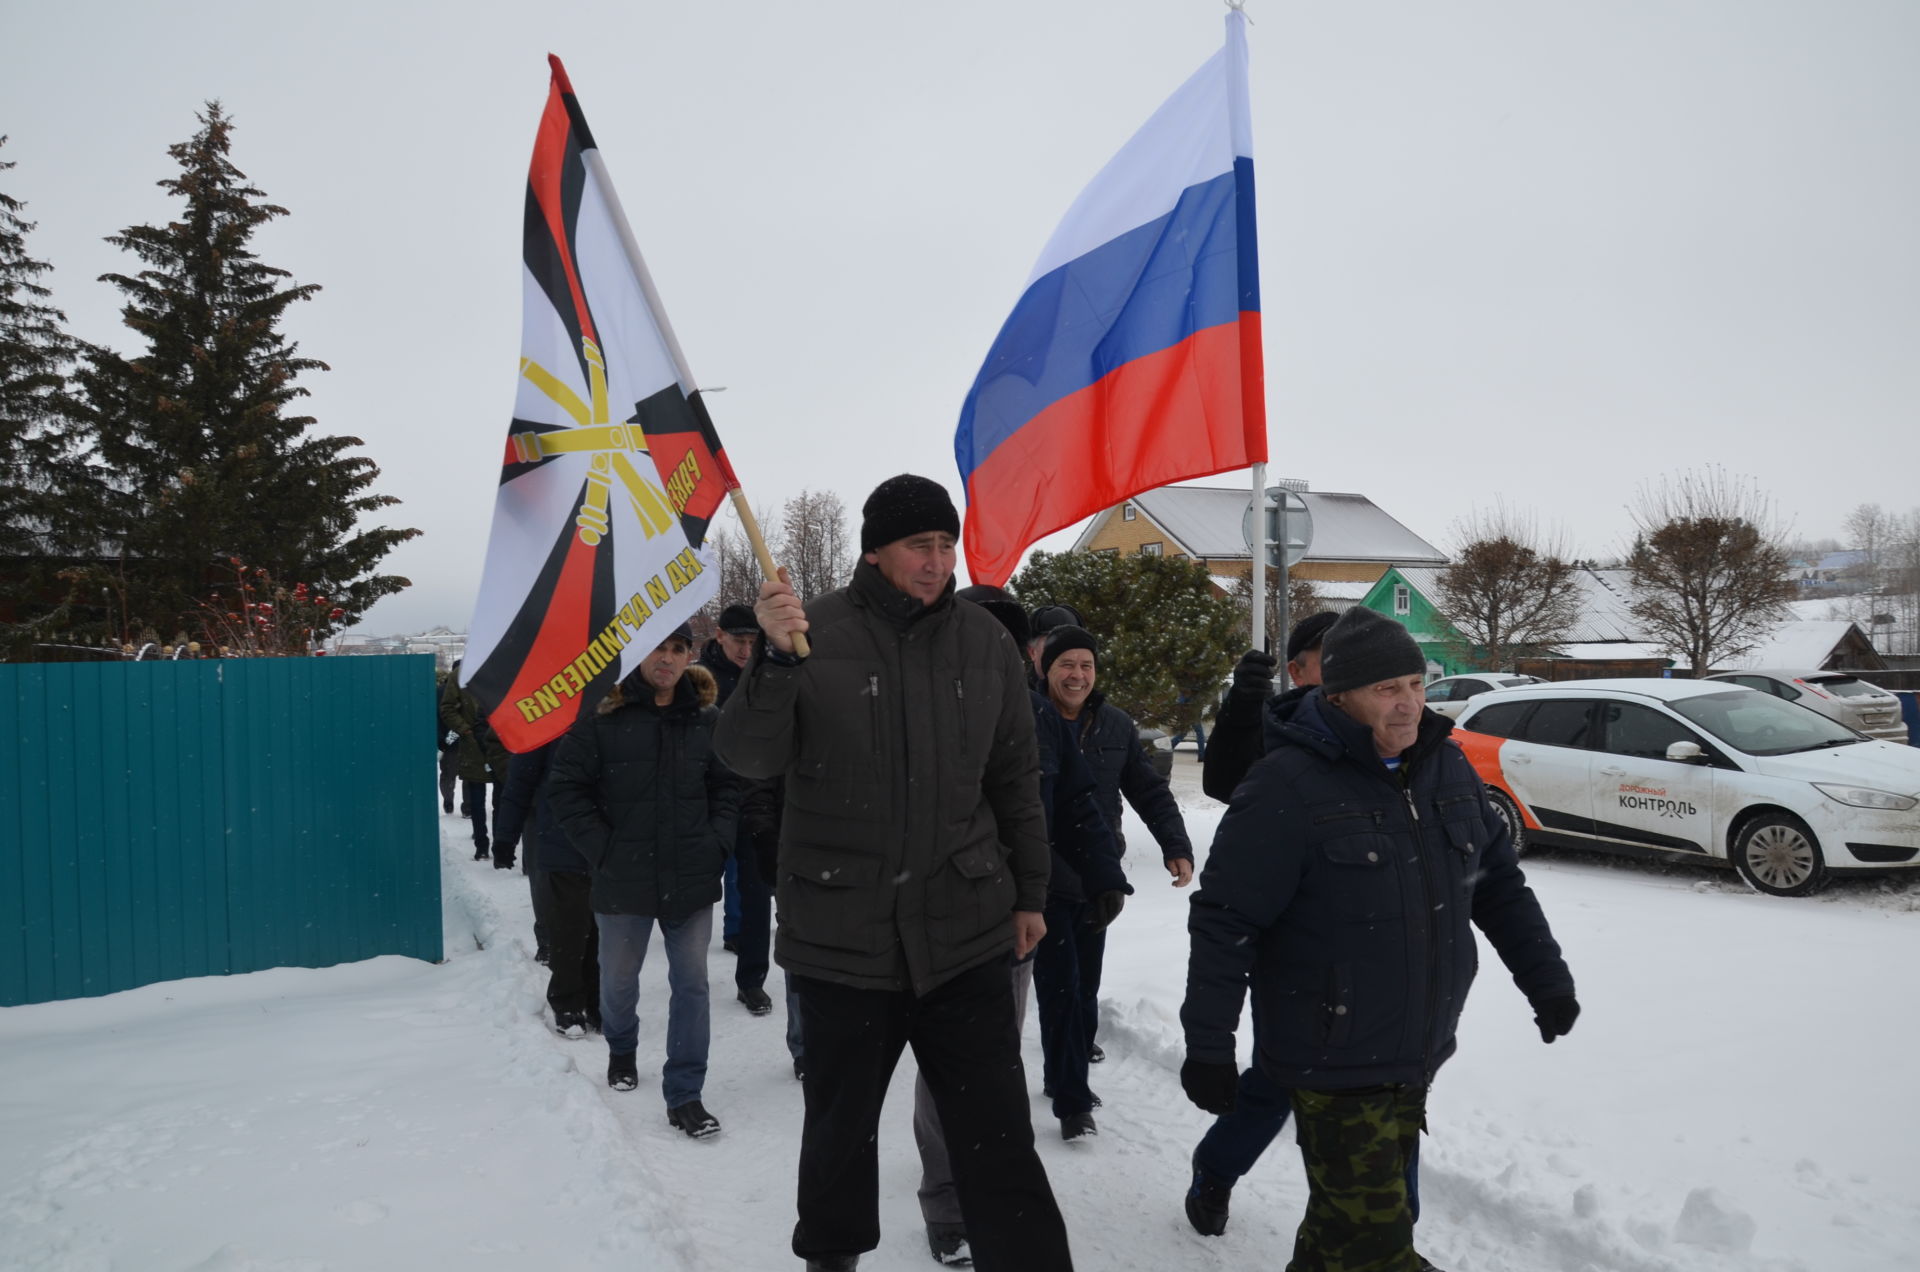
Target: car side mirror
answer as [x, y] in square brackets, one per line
[1686, 753]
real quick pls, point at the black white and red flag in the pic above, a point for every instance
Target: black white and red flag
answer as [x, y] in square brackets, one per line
[611, 468]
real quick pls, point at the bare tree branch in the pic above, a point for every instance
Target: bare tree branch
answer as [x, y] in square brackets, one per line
[1710, 572]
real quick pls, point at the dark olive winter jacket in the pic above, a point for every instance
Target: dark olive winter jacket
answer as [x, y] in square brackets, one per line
[911, 828]
[1345, 892]
[1110, 740]
[640, 793]
[483, 757]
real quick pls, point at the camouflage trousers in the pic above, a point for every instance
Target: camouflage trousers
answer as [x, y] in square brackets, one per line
[1356, 1145]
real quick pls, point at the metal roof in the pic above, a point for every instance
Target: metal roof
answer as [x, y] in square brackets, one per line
[1604, 599]
[1205, 520]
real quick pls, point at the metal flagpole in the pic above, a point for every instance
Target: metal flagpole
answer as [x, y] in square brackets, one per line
[1258, 627]
[681, 370]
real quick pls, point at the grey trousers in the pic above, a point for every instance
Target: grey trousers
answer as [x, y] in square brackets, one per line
[939, 1204]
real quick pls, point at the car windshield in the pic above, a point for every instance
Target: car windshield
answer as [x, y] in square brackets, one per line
[1761, 724]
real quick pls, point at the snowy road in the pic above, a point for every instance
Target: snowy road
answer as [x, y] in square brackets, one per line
[1733, 1098]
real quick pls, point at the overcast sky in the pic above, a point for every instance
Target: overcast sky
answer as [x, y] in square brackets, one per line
[1511, 249]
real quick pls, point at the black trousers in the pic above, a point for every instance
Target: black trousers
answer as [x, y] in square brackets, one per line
[475, 793]
[754, 940]
[966, 1040]
[573, 945]
[1059, 964]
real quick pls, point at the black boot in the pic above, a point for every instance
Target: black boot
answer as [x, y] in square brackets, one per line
[1078, 1126]
[834, 1263]
[693, 1119]
[1207, 1199]
[756, 1000]
[622, 1073]
[947, 1242]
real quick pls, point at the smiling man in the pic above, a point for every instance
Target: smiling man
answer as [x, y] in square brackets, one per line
[1340, 887]
[912, 866]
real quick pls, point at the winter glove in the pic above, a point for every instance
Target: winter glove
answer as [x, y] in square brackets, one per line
[1214, 1087]
[1253, 675]
[1555, 1016]
[1106, 908]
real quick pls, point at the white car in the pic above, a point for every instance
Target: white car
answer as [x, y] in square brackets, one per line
[1696, 768]
[1449, 696]
[1834, 694]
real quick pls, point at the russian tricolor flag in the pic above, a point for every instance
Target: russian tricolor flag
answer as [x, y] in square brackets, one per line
[1133, 357]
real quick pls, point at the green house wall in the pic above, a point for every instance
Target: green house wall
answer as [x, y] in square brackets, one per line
[1428, 626]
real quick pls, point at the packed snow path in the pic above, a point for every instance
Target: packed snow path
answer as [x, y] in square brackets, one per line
[1733, 1098]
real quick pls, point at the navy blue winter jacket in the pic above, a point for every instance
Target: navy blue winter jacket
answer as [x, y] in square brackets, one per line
[1343, 892]
[1086, 853]
[523, 800]
[1110, 740]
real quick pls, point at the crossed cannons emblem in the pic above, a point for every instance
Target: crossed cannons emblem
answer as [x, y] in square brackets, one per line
[611, 445]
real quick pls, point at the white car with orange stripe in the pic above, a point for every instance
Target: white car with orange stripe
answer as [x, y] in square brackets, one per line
[1699, 769]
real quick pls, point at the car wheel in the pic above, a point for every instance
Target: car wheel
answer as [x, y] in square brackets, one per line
[1777, 854]
[1510, 813]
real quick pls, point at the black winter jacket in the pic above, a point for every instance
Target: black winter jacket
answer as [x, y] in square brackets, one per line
[1110, 740]
[642, 796]
[725, 675]
[912, 828]
[1344, 892]
[1086, 848]
[523, 800]
[1239, 738]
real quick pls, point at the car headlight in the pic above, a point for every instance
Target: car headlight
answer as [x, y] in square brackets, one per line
[1867, 797]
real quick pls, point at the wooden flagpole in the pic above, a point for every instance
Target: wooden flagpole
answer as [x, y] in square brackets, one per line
[644, 276]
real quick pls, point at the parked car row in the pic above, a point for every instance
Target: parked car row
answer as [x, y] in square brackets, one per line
[1709, 769]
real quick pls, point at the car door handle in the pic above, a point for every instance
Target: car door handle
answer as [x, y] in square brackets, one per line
[1518, 759]
[1614, 772]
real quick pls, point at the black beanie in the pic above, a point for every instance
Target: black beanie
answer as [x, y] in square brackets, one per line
[1364, 647]
[1048, 617]
[1308, 633]
[906, 505]
[1003, 607]
[1066, 637]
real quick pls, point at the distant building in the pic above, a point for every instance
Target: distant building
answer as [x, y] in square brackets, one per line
[446, 646]
[1354, 540]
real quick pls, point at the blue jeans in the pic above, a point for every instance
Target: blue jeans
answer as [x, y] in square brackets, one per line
[1235, 1140]
[796, 1047]
[1199, 740]
[623, 948]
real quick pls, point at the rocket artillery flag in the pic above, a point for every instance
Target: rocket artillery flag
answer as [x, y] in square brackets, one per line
[611, 468]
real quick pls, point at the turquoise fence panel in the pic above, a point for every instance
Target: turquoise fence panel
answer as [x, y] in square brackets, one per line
[160, 820]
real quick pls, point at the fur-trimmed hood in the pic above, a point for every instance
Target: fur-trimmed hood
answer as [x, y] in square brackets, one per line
[696, 688]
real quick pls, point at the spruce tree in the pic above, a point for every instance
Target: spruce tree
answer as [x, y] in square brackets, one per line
[208, 463]
[39, 458]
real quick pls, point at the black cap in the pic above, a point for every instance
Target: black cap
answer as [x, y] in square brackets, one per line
[1364, 647]
[682, 632]
[1066, 637]
[1003, 607]
[1308, 633]
[906, 505]
[1048, 617]
[738, 620]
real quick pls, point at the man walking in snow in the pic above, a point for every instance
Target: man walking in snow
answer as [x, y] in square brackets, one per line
[640, 793]
[1340, 885]
[912, 864]
[749, 898]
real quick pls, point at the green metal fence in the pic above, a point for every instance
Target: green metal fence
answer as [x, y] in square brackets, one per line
[160, 820]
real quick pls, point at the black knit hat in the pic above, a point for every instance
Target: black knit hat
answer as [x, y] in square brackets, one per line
[1048, 617]
[1066, 637]
[1364, 647]
[738, 620]
[1003, 607]
[906, 505]
[1308, 633]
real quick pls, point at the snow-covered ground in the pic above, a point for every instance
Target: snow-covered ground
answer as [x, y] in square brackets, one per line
[1734, 1097]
